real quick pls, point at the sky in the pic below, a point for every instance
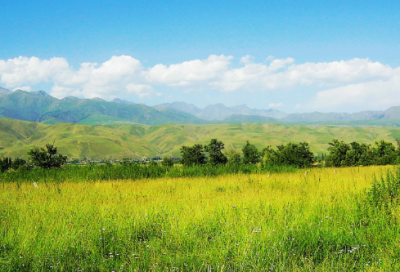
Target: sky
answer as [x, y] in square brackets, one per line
[293, 56]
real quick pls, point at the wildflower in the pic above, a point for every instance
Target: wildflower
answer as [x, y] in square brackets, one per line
[35, 185]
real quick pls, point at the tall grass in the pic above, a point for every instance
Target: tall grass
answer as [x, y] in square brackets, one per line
[322, 221]
[134, 171]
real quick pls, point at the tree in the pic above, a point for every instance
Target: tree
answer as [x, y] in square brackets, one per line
[167, 161]
[337, 153]
[46, 157]
[193, 155]
[234, 157]
[385, 152]
[290, 154]
[5, 164]
[214, 149]
[18, 163]
[250, 154]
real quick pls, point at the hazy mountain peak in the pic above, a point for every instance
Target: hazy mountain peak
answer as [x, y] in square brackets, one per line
[121, 101]
[71, 97]
[98, 99]
[4, 91]
[219, 111]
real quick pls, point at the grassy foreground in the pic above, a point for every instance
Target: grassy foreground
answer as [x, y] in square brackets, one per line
[317, 221]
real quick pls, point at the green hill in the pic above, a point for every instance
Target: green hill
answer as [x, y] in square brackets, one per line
[41, 107]
[136, 141]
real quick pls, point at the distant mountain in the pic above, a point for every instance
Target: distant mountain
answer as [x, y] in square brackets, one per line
[240, 118]
[4, 91]
[182, 106]
[41, 107]
[391, 113]
[220, 111]
[121, 101]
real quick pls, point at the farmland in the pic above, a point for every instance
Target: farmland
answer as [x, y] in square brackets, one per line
[318, 219]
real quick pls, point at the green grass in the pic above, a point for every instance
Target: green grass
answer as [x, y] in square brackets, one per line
[132, 171]
[137, 141]
[322, 221]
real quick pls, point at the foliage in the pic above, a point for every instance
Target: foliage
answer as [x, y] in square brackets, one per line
[234, 157]
[214, 149]
[47, 157]
[5, 164]
[354, 154]
[193, 155]
[298, 155]
[250, 154]
[167, 161]
[8, 163]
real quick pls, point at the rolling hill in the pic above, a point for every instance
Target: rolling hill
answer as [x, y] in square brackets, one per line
[136, 141]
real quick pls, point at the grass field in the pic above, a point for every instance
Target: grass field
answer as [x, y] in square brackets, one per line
[137, 141]
[321, 220]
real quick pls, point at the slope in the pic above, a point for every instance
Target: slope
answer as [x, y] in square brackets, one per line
[136, 141]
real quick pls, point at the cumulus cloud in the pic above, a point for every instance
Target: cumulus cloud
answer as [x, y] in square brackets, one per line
[23, 70]
[378, 94]
[275, 105]
[189, 72]
[350, 82]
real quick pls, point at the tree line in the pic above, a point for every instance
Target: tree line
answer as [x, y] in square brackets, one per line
[213, 154]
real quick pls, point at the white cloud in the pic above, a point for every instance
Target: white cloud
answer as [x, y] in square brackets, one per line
[275, 105]
[379, 94]
[23, 70]
[352, 83]
[24, 88]
[141, 90]
[189, 72]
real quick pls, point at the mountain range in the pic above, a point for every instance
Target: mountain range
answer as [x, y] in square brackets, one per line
[41, 107]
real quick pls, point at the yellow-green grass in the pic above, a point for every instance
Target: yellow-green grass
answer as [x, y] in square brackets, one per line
[284, 222]
[136, 141]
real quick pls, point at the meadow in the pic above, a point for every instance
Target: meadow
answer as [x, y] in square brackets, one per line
[320, 219]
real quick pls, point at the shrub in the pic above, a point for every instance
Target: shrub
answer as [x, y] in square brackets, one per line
[214, 149]
[193, 155]
[167, 161]
[46, 157]
[250, 154]
[292, 154]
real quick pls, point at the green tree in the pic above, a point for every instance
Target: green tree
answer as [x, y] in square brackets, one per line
[193, 155]
[46, 157]
[18, 163]
[214, 149]
[358, 155]
[234, 157]
[337, 153]
[385, 153]
[290, 154]
[167, 161]
[5, 164]
[250, 154]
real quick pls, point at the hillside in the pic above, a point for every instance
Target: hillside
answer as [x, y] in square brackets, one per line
[133, 140]
[41, 107]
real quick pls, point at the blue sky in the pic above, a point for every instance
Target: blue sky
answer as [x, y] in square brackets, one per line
[292, 55]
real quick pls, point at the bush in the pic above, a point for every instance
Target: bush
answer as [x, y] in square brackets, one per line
[250, 154]
[167, 161]
[193, 155]
[47, 157]
[298, 155]
[214, 149]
